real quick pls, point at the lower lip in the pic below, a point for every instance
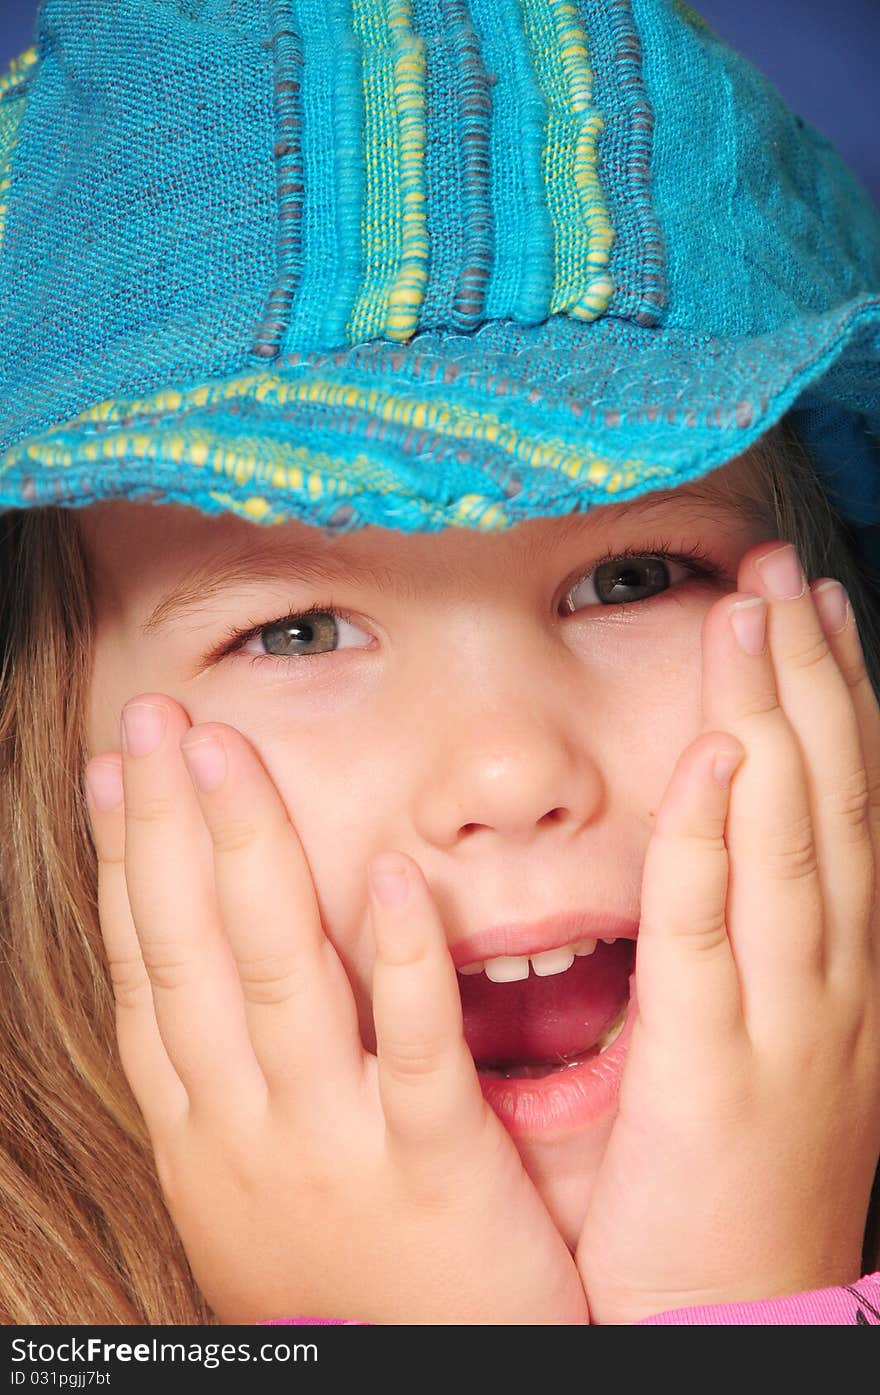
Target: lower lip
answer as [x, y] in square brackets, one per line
[566, 1101]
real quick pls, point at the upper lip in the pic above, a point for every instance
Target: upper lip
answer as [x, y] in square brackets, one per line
[533, 937]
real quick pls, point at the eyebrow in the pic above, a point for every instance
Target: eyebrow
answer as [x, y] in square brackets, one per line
[261, 562]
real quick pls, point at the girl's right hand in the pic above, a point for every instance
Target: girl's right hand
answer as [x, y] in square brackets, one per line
[304, 1175]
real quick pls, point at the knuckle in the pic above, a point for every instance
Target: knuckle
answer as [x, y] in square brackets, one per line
[150, 810]
[851, 799]
[131, 986]
[317, 1181]
[705, 934]
[410, 955]
[708, 838]
[791, 854]
[269, 980]
[168, 972]
[234, 835]
[762, 703]
[429, 1182]
[109, 861]
[409, 1062]
[812, 653]
[855, 673]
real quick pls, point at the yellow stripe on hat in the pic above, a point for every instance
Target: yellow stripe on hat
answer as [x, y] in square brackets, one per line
[395, 228]
[248, 459]
[582, 286]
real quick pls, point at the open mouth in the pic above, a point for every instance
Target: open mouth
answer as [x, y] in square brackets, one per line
[546, 1022]
[542, 1031]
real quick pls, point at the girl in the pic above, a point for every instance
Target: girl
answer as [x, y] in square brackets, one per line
[473, 916]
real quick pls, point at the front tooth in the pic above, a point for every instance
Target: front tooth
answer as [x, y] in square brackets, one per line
[472, 968]
[507, 968]
[583, 947]
[553, 961]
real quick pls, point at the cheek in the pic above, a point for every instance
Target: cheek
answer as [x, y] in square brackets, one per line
[124, 667]
[108, 693]
[326, 789]
[654, 713]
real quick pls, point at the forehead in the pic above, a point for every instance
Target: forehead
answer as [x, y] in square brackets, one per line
[129, 543]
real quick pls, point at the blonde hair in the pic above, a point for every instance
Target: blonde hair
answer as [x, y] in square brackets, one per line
[84, 1233]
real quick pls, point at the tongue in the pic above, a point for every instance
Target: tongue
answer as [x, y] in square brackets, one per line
[536, 1020]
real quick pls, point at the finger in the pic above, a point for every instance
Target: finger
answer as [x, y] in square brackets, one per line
[154, 1082]
[687, 986]
[775, 902]
[841, 634]
[169, 875]
[299, 1005]
[428, 1082]
[817, 703]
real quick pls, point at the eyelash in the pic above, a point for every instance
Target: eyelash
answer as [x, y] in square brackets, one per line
[701, 565]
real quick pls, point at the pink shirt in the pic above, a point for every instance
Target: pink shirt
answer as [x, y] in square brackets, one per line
[852, 1305]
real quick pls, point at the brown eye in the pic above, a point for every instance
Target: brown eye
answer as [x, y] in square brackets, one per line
[303, 634]
[624, 580]
[312, 632]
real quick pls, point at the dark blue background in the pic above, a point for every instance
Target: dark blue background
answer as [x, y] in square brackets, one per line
[824, 58]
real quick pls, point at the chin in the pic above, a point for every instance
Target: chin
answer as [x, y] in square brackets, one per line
[564, 1172]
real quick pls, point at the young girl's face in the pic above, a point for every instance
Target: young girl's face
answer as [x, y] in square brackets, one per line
[500, 707]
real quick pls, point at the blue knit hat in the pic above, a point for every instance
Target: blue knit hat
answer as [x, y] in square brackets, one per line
[419, 263]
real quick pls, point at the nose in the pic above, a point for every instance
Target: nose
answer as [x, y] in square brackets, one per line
[518, 758]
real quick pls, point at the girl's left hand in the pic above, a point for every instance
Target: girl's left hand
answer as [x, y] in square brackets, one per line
[740, 1163]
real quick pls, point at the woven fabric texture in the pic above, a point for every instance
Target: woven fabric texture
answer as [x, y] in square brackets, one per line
[419, 263]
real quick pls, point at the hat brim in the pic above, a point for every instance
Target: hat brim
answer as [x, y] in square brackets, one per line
[482, 430]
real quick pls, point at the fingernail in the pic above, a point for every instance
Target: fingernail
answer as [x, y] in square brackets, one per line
[389, 880]
[105, 786]
[783, 574]
[748, 620]
[833, 606]
[143, 727]
[206, 763]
